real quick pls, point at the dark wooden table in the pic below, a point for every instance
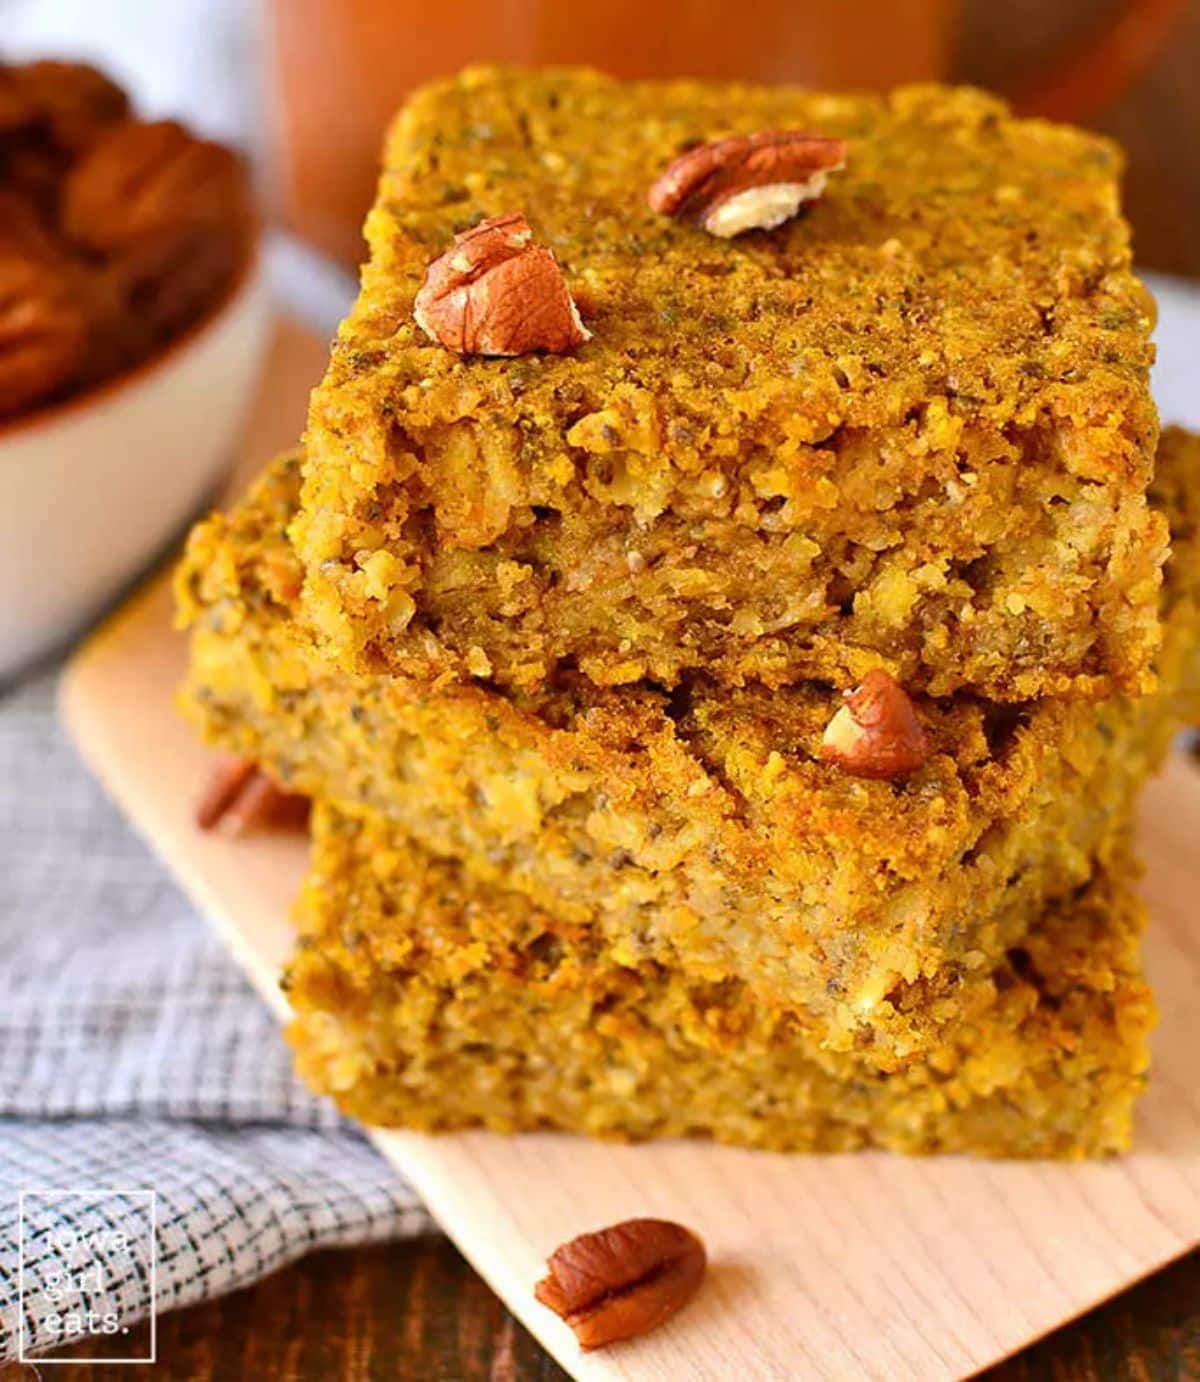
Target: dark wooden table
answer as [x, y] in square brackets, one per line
[416, 1310]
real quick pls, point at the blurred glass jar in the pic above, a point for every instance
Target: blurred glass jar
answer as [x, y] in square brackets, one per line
[342, 67]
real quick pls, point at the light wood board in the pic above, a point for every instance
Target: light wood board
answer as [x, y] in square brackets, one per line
[823, 1267]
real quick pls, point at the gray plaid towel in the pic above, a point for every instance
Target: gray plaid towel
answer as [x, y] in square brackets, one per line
[134, 1058]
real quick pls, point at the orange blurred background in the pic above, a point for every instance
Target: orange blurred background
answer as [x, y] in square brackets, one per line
[338, 68]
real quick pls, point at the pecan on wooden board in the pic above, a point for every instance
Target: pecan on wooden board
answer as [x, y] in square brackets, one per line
[623, 1281]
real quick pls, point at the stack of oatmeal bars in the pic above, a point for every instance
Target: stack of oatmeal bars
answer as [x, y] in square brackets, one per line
[730, 594]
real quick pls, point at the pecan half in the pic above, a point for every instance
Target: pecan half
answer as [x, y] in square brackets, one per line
[495, 292]
[43, 329]
[241, 798]
[877, 732]
[142, 180]
[623, 1280]
[748, 181]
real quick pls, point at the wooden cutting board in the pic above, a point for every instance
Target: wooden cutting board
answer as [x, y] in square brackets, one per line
[829, 1267]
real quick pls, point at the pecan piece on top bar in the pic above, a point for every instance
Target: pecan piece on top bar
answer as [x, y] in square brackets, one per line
[748, 181]
[496, 292]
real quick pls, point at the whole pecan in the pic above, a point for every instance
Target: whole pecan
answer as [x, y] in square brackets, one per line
[43, 329]
[748, 181]
[876, 733]
[141, 180]
[495, 292]
[623, 1280]
[71, 101]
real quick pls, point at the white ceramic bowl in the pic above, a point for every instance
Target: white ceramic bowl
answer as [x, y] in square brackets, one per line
[93, 488]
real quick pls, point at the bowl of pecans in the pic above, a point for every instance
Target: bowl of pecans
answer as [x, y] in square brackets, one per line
[133, 313]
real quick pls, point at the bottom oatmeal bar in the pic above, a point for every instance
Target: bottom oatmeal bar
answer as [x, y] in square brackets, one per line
[423, 1000]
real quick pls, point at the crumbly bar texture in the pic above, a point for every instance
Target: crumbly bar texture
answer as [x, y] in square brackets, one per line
[423, 1000]
[701, 829]
[910, 428]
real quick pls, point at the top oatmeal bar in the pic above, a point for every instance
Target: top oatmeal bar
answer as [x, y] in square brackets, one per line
[909, 428]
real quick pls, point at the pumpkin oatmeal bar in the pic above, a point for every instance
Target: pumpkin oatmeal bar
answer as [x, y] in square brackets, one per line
[701, 829]
[910, 428]
[423, 1000]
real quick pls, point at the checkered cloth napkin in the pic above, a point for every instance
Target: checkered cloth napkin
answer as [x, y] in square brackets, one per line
[134, 1057]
